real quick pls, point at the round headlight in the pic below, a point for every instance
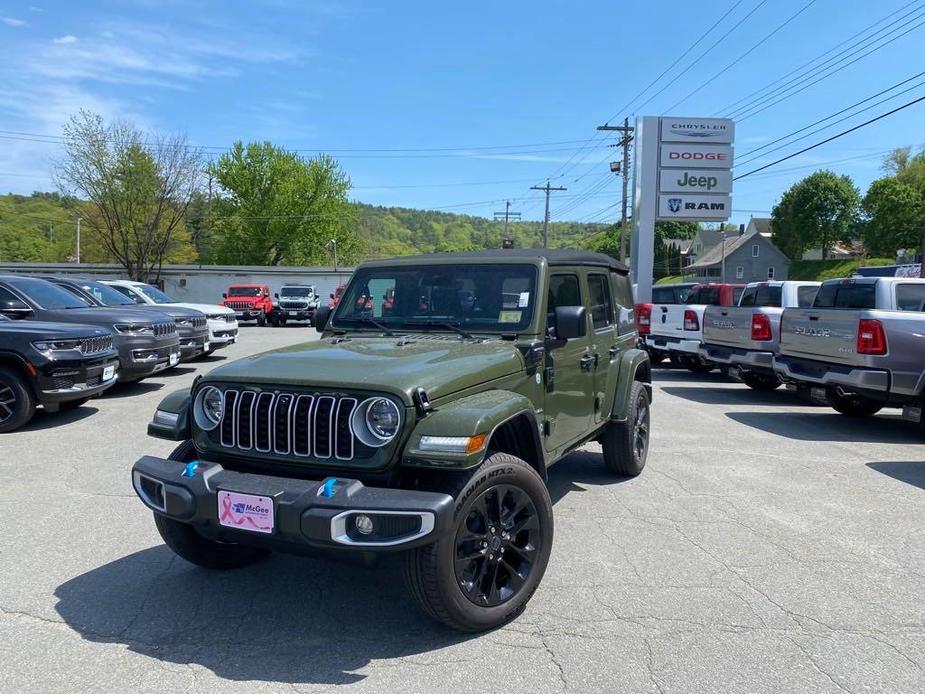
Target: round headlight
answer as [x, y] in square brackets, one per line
[208, 408]
[376, 421]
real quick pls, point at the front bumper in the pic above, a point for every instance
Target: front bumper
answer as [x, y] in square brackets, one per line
[673, 344]
[60, 382]
[192, 344]
[821, 373]
[143, 358]
[297, 313]
[749, 360]
[302, 516]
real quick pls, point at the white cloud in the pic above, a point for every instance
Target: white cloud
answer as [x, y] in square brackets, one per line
[13, 22]
[68, 38]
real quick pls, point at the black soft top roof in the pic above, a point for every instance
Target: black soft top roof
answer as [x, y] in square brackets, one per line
[553, 256]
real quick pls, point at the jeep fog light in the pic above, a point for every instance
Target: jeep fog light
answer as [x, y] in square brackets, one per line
[376, 421]
[453, 444]
[364, 524]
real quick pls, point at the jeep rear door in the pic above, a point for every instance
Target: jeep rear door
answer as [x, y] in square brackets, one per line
[570, 384]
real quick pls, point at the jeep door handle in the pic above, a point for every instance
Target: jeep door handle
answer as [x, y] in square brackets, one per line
[588, 361]
[613, 352]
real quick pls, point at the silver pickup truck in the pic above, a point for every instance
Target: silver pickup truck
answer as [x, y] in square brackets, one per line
[861, 346]
[744, 338]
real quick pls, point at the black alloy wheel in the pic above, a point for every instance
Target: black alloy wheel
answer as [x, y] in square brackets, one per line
[17, 404]
[641, 426]
[497, 545]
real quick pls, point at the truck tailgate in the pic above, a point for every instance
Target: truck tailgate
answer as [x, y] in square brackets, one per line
[730, 326]
[821, 334]
[668, 319]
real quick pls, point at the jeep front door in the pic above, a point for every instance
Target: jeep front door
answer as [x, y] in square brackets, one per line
[570, 370]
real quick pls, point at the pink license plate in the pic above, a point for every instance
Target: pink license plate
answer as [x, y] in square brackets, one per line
[245, 511]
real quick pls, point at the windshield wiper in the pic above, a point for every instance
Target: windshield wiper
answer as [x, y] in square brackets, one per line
[455, 327]
[372, 321]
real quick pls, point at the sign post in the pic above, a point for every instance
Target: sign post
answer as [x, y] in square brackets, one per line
[683, 172]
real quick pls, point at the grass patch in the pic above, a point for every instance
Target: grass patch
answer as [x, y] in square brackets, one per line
[671, 279]
[819, 270]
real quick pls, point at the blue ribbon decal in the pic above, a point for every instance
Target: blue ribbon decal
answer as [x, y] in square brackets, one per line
[327, 487]
[190, 469]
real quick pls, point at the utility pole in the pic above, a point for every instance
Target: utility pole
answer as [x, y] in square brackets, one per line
[548, 189]
[624, 142]
[507, 215]
[78, 240]
[333, 245]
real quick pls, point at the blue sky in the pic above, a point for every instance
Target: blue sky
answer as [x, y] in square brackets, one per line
[511, 92]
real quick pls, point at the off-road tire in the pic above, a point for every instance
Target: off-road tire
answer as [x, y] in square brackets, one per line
[261, 319]
[623, 454]
[697, 366]
[430, 570]
[757, 381]
[73, 404]
[852, 405]
[191, 546]
[18, 402]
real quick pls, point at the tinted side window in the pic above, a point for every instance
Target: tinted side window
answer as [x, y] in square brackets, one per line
[563, 291]
[601, 303]
[806, 296]
[704, 295]
[128, 292]
[7, 295]
[748, 296]
[910, 297]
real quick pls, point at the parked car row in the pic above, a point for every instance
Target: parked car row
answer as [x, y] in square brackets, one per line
[65, 340]
[294, 302]
[856, 344]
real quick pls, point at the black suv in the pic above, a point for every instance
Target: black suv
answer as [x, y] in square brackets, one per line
[53, 365]
[191, 324]
[147, 342]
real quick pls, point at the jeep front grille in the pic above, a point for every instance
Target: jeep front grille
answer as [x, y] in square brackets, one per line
[199, 322]
[96, 345]
[239, 305]
[165, 329]
[288, 424]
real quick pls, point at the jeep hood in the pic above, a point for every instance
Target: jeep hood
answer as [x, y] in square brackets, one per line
[389, 365]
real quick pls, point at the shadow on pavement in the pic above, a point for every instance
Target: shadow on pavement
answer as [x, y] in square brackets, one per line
[287, 619]
[585, 467]
[737, 396]
[810, 426]
[130, 390]
[685, 376]
[49, 420]
[908, 471]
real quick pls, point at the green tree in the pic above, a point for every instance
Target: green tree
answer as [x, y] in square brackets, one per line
[895, 214]
[276, 207]
[138, 187]
[819, 211]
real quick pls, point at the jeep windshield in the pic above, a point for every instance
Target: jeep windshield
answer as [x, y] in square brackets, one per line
[442, 298]
[153, 293]
[296, 291]
[244, 291]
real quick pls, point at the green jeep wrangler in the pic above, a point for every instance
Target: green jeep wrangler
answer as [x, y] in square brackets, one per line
[423, 421]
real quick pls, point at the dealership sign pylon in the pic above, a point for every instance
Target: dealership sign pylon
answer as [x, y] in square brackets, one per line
[683, 171]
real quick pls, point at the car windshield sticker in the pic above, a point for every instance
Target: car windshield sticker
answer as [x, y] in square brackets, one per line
[509, 316]
[524, 300]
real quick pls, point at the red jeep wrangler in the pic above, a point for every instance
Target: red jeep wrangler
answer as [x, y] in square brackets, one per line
[249, 302]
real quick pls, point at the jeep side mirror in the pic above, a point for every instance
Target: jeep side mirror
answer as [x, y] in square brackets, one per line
[571, 322]
[224, 295]
[320, 319]
[275, 295]
[15, 308]
[331, 295]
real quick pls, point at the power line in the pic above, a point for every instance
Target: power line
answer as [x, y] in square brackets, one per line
[834, 137]
[704, 54]
[677, 60]
[746, 53]
[731, 108]
[548, 189]
[770, 100]
[753, 154]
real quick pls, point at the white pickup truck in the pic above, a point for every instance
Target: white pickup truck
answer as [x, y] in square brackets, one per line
[860, 347]
[745, 337]
[676, 329]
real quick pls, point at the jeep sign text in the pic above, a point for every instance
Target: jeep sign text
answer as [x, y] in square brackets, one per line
[696, 181]
[701, 156]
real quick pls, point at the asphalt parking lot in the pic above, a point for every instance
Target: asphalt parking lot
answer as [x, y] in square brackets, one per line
[769, 546]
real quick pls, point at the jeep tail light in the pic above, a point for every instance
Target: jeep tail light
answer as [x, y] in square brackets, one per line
[871, 338]
[644, 318]
[691, 322]
[761, 328]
